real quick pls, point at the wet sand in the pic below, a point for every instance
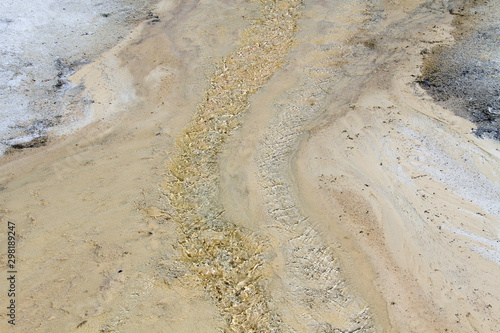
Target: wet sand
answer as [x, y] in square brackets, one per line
[254, 166]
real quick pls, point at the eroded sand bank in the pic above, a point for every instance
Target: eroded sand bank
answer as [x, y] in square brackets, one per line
[261, 167]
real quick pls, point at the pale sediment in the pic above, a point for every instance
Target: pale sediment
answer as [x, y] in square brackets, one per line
[318, 299]
[463, 76]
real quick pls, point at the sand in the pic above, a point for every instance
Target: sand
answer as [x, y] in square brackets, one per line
[252, 168]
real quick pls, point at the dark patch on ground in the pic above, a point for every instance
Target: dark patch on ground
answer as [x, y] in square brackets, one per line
[35, 143]
[65, 69]
[465, 77]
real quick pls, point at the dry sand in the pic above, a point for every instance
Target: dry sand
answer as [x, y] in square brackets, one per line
[254, 166]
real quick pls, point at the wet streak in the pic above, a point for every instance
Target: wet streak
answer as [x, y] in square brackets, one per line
[228, 259]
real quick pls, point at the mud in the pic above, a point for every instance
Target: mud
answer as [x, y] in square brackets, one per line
[262, 166]
[463, 76]
[44, 44]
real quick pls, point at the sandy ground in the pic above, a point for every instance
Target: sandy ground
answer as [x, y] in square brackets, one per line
[260, 167]
[44, 42]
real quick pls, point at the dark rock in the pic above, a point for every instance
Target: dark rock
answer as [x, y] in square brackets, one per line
[35, 143]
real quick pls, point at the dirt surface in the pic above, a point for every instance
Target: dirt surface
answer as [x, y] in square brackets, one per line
[463, 76]
[260, 166]
[43, 43]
